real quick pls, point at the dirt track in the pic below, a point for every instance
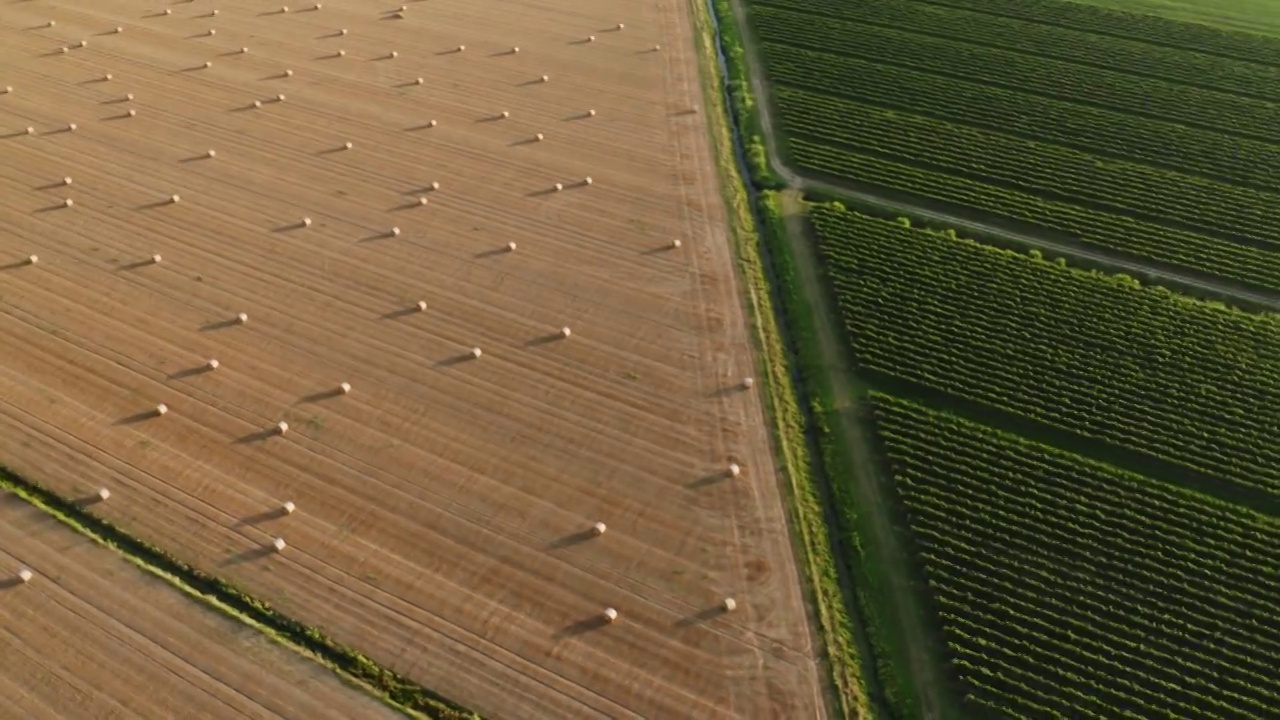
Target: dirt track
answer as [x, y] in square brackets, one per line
[442, 503]
[91, 636]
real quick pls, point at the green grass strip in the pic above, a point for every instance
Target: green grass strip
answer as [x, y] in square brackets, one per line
[394, 689]
[764, 281]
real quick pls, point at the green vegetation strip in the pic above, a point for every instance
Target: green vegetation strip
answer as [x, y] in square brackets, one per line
[1085, 47]
[392, 687]
[764, 284]
[1069, 588]
[1200, 202]
[1102, 357]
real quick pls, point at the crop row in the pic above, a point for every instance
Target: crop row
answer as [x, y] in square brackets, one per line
[1116, 134]
[1140, 368]
[1117, 233]
[1146, 28]
[1056, 600]
[1072, 46]
[1228, 114]
[1042, 169]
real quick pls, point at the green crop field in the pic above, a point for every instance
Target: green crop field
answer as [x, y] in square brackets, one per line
[1255, 16]
[1131, 134]
[1176, 380]
[1065, 586]
[1051, 451]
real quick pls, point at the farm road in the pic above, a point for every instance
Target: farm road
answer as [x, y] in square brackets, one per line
[797, 181]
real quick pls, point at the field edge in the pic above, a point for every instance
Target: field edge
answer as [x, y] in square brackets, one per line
[392, 689]
[773, 302]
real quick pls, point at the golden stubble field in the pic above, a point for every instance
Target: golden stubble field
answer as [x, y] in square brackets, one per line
[443, 505]
[91, 636]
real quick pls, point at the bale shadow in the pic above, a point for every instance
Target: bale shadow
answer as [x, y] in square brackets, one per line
[16, 134]
[544, 340]
[87, 501]
[450, 51]
[15, 265]
[544, 191]
[706, 480]
[525, 141]
[230, 53]
[490, 253]
[580, 41]
[402, 312]
[133, 265]
[700, 617]
[454, 360]
[330, 56]
[728, 390]
[189, 372]
[384, 235]
[137, 418]
[251, 555]
[218, 325]
[255, 437]
[51, 208]
[269, 13]
[570, 540]
[576, 116]
[333, 150]
[501, 53]
[258, 518]
[416, 128]
[115, 101]
[321, 396]
[686, 111]
[289, 228]
[51, 186]
[490, 118]
[122, 116]
[333, 34]
[406, 206]
[195, 158]
[658, 250]
[408, 83]
[527, 83]
[153, 205]
[10, 582]
[579, 628]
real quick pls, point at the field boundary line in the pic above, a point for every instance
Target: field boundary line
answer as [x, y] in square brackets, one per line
[392, 689]
[904, 648]
[843, 653]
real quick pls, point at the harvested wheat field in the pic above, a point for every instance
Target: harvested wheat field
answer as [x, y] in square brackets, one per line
[373, 229]
[91, 636]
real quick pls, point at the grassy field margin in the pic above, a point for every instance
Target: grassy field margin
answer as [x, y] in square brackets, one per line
[393, 689]
[767, 272]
